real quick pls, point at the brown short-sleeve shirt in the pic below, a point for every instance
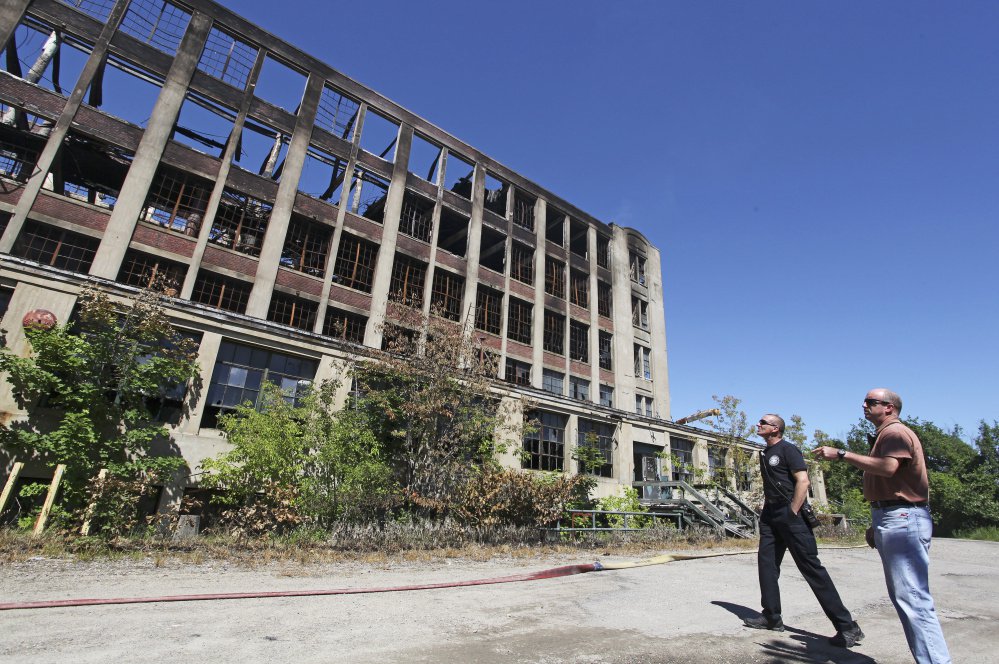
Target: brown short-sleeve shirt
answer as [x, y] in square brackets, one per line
[909, 482]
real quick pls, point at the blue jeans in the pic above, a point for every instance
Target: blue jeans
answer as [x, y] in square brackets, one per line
[902, 536]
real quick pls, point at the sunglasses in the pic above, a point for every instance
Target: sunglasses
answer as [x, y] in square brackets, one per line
[765, 423]
[874, 402]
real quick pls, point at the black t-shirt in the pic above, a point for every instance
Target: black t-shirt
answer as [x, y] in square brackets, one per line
[778, 463]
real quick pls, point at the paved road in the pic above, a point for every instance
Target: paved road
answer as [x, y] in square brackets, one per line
[684, 612]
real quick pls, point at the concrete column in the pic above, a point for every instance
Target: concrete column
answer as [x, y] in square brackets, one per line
[44, 164]
[571, 440]
[538, 331]
[126, 212]
[657, 330]
[284, 203]
[208, 350]
[474, 248]
[382, 280]
[511, 433]
[624, 339]
[591, 252]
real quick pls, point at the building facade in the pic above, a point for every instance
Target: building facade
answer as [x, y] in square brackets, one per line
[289, 205]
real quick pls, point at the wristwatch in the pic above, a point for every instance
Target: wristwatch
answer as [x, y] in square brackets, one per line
[841, 454]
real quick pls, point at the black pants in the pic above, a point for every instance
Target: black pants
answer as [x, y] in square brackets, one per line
[781, 531]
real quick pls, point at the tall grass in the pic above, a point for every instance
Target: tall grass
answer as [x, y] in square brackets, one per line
[987, 533]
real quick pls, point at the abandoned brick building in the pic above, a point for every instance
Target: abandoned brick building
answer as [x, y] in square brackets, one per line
[147, 137]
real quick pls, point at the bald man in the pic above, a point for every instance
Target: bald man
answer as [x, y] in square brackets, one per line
[897, 486]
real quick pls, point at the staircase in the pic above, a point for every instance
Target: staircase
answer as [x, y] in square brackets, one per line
[713, 506]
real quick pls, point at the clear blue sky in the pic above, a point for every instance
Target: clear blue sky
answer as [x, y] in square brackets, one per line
[822, 178]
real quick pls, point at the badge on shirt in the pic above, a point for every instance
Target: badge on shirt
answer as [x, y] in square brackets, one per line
[774, 460]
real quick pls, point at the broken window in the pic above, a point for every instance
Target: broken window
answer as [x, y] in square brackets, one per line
[417, 217]
[523, 210]
[682, 451]
[355, 263]
[241, 370]
[603, 299]
[492, 249]
[554, 277]
[22, 138]
[555, 226]
[544, 444]
[603, 250]
[292, 311]
[176, 200]
[135, 90]
[56, 247]
[577, 238]
[579, 293]
[458, 175]
[496, 195]
[425, 159]
[379, 135]
[89, 170]
[37, 53]
[99, 9]
[579, 342]
[522, 263]
[280, 85]
[643, 362]
[607, 396]
[337, 113]
[598, 437]
[553, 381]
[306, 246]
[554, 338]
[204, 125]
[220, 292]
[637, 266]
[453, 235]
[146, 271]
[262, 149]
[447, 294]
[344, 325]
[717, 462]
[240, 222]
[368, 193]
[605, 339]
[579, 388]
[517, 372]
[322, 175]
[640, 313]
[488, 309]
[408, 276]
[519, 320]
[227, 58]
[157, 23]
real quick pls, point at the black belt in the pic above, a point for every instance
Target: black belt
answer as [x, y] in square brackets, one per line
[876, 504]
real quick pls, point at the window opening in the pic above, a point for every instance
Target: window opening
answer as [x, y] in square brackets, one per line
[99, 9]
[227, 58]
[458, 175]
[607, 396]
[337, 112]
[517, 372]
[519, 320]
[306, 246]
[417, 217]
[640, 313]
[603, 299]
[135, 90]
[555, 226]
[22, 138]
[577, 238]
[55, 247]
[37, 53]
[368, 193]
[598, 437]
[554, 277]
[603, 250]
[496, 195]
[146, 271]
[408, 276]
[280, 85]
[522, 263]
[176, 200]
[204, 125]
[292, 311]
[446, 297]
[523, 210]
[553, 381]
[682, 451]
[579, 388]
[606, 355]
[544, 444]
[425, 159]
[579, 342]
[89, 170]
[488, 309]
[344, 325]
[643, 362]
[157, 23]
[492, 249]
[262, 150]
[554, 341]
[220, 292]
[717, 457]
[355, 263]
[637, 264]
[453, 235]
[323, 175]
[379, 135]
[580, 288]
[240, 222]
[241, 370]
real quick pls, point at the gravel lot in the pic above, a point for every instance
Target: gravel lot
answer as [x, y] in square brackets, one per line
[684, 611]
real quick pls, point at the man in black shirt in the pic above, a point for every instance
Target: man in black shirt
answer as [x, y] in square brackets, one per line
[785, 489]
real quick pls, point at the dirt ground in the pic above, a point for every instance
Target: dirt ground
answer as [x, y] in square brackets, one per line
[683, 611]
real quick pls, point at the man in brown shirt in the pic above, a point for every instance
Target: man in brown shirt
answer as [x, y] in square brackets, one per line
[896, 484]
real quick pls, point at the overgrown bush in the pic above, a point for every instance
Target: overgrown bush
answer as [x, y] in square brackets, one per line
[504, 496]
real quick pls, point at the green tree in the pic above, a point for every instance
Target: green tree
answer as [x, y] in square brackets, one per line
[93, 391]
[733, 429]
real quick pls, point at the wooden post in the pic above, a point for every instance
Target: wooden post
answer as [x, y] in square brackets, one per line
[8, 488]
[85, 530]
[49, 500]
